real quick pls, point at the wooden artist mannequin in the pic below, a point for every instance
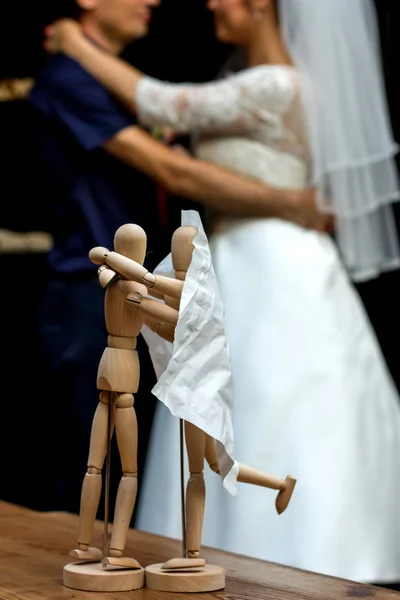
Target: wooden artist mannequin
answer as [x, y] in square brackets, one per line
[191, 573]
[126, 306]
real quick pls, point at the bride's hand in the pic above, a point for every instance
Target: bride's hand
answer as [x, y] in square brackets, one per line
[306, 214]
[59, 34]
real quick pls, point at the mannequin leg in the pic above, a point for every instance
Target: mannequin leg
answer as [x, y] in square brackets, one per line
[126, 432]
[195, 490]
[255, 477]
[92, 483]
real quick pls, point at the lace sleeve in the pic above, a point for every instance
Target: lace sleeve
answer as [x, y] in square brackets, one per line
[236, 104]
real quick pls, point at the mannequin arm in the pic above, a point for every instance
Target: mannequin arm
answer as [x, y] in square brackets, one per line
[164, 330]
[153, 308]
[133, 271]
[156, 294]
[106, 275]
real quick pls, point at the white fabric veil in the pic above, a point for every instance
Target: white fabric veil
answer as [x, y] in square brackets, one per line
[335, 46]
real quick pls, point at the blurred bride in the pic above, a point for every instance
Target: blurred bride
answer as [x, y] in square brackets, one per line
[313, 395]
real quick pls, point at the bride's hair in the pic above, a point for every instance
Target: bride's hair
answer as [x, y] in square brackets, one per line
[235, 62]
[66, 9]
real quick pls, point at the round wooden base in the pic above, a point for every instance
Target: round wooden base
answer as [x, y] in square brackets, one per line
[207, 579]
[92, 577]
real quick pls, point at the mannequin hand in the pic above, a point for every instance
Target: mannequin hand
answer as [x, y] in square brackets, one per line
[304, 212]
[59, 33]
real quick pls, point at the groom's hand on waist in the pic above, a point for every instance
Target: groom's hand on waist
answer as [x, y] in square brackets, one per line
[305, 212]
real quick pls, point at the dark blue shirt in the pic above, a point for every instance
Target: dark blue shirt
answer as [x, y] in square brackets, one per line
[92, 192]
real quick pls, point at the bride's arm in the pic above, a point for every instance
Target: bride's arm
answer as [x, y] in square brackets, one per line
[66, 36]
[236, 104]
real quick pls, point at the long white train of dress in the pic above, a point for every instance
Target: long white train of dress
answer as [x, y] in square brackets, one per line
[313, 398]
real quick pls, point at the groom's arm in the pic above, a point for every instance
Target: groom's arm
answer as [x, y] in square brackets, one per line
[213, 186]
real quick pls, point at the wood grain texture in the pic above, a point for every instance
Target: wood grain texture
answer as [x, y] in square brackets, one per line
[34, 549]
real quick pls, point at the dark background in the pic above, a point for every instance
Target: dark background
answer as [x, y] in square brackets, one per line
[180, 47]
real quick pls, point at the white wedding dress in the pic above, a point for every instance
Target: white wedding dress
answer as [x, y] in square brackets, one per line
[313, 396]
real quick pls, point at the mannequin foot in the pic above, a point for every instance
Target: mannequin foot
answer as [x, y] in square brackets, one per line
[90, 553]
[176, 564]
[284, 496]
[125, 562]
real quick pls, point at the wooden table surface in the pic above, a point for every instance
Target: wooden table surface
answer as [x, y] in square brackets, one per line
[34, 548]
